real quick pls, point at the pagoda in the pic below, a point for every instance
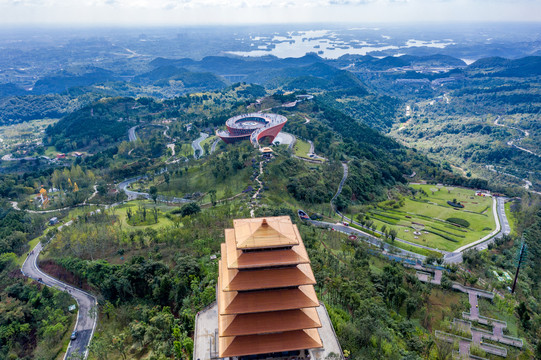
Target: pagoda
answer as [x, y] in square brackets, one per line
[265, 294]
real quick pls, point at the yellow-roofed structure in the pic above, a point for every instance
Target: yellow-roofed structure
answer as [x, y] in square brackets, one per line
[265, 294]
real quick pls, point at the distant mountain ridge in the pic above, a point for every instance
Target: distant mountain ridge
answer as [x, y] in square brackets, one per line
[64, 80]
[497, 66]
[161, 76]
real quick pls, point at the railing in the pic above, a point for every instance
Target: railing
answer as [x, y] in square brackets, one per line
[494, 349]
[504, 339]
[480, 292]
[483, 319]
[445, 336]
[475, 357]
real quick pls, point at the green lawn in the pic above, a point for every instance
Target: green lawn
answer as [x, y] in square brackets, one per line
[434, 216]
[200, 179]
[209, 141]
[185, 150]
[51, 152]
[121, 211]
[302, 148]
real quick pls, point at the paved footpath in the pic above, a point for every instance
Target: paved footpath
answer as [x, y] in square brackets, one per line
[86, 320]
[477, 335]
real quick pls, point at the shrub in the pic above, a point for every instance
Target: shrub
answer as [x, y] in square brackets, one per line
[459, 221]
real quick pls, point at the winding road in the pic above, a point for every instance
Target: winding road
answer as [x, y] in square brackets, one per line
[213, 147]
[131, 133]
[196, 145]
[132, 195]
[86, 303]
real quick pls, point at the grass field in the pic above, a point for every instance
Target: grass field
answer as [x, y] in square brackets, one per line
[200, 179]
[439, 225]
[185, 150]
[209, 141]
[302, 148]
[123, 217]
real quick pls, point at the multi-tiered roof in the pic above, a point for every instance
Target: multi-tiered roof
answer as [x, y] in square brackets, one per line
[266, 297]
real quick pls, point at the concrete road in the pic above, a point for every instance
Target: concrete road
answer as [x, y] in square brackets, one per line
[474, 307]
[213, 148]
[367, 238]
[86, 321]
[502, 227]
[506, 229]
[196, 145]
[132, 195]
[341, 185]
[131, 133]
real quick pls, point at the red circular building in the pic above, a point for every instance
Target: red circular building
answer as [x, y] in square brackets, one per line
[253, 127]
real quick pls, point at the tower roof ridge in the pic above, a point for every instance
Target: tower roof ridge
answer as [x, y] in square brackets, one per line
[265, 232]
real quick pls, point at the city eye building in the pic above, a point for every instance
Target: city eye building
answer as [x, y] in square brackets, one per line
[266, 305]
[253, 127]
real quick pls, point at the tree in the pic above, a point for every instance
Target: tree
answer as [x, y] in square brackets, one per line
[108, 308]
[100, 347]
[155, 213]
[153, 193]
[212, 194]
[392, 234]
[444, 350]
[411, 306]
[189, 209]
[167, 178]
[119, 343]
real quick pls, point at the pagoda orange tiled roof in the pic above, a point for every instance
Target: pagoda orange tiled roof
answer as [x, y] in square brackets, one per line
[235, 280]
[269, 322]
[264, 232]
[237, 259]
[265, 293]
[269, 343]
[233, 302]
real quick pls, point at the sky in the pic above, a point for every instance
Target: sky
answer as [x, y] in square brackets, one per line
[208, 12]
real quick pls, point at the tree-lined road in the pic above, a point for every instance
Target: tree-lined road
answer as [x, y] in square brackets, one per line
[131, 133]
[86, 319]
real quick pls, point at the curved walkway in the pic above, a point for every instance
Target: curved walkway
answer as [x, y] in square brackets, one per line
[367, 238]
[86, 318]
[475, 335]
[340, 186]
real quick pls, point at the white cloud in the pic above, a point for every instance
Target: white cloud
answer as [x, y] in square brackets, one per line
[163, 12]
